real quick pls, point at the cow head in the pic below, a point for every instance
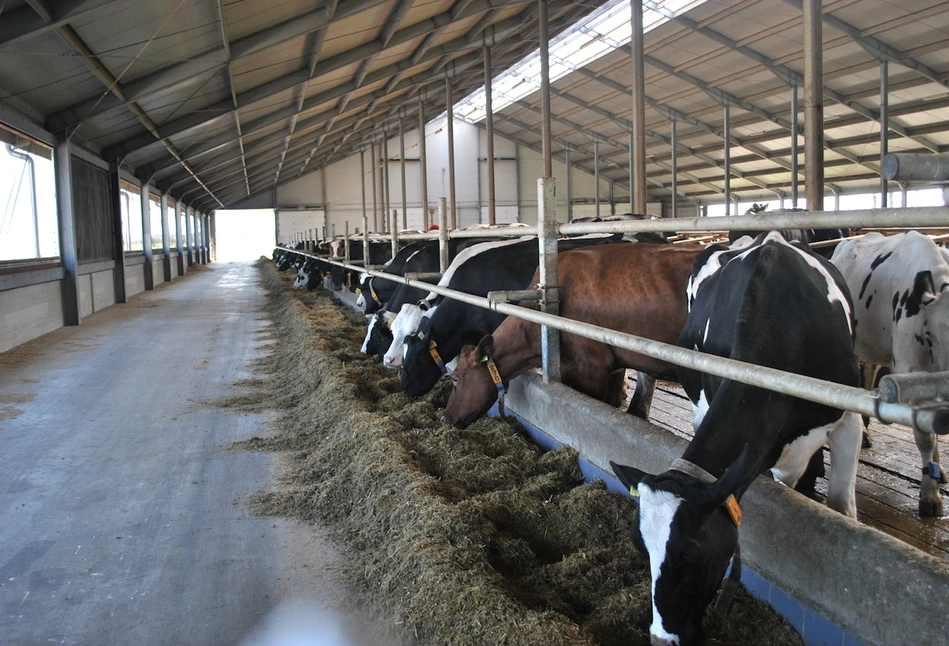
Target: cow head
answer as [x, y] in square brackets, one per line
[370, 299]
[378, 336]
[472, 388]
[420, 372]
[402, 325]
[689, 536]
[303, 278]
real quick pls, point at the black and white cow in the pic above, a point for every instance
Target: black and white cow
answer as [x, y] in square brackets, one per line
[452, 324]
[375, 292]
[793, 235]
[900, 286]
[772, 303]
[379, 253]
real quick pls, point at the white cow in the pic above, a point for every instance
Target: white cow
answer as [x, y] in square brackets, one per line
[899, 286]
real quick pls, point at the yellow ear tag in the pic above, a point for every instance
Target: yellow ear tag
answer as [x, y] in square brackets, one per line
[731, 506]
[358, 291]
[634, 492]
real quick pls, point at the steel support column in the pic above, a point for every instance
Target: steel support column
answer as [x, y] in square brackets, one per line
[884, 127]
[443, 260]
[794, 154]
[423, 164]
[118, 234]
[549, 280]
[545, 138]
[813, 105]
[375, 185]
[189, 226]
[165, 247]
[726, 165]
[362, 187]
[638, 117]
[179, 243]
[147, 237]
[386, 195]
[405, 201]
[449, 107]
[632, 178]
[489, 125]
[67, 234]
[566, 155]
[596, 175]
[675, 168]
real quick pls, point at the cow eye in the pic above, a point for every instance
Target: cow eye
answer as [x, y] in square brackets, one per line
[454, 380]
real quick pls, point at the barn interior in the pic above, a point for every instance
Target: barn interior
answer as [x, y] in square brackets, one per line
[133, 131]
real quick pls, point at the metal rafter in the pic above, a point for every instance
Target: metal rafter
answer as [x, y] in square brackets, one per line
[230, 87]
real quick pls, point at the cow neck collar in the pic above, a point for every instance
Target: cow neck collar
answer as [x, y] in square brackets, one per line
[734, 513]
[492, 367]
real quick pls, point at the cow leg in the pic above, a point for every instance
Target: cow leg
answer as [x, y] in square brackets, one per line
[641, 402]
[868, 379]
[930, 502]
[844, 440]
[807, 483]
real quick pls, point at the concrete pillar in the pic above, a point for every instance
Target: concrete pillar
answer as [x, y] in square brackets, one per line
[147, 236]
[179, 243]
[165, 228]
[67, 234]
[118, 235]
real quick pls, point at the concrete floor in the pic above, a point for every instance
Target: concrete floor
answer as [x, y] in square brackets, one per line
[124, 519]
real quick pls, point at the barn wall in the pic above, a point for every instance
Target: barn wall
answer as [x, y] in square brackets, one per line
[158, 269]
[103, 290]
[134, 279]
[85, 295]
[174, 265]
[29, 312]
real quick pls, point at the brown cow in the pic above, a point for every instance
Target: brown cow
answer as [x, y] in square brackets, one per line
[635, 288]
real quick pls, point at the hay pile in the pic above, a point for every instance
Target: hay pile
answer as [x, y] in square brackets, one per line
[465, 537]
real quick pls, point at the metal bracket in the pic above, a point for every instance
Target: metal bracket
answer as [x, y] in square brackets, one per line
[513, 296]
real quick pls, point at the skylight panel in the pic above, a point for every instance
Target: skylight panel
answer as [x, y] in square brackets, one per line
[604, 31]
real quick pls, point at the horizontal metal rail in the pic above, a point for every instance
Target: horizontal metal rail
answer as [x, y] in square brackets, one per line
[809, 388]
[910, 217]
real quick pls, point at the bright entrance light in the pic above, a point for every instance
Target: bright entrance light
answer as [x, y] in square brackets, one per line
[244, 235]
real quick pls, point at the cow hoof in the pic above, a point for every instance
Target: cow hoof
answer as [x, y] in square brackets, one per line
[930, 509]
[867, 442]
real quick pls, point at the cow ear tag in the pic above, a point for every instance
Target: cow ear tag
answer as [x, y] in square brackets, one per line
[731, 506]
[358, 291]
[634, 492]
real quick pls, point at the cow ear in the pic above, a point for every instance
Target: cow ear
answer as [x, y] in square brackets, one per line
[924, 290]
[423, 305]
[630, 477]
[389, 317]
[729, 483]
[485, 348]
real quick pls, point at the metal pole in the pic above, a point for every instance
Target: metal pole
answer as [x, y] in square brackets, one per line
[362, 174]
[395, 234]
[547, 153]
[423, 161]
[884, 126]
[405, 200]
[596, 175]
[675, 170]
[443, 235]
[638, 192]
[566, 155]
[386, 195]
[449, 106]
[813, 105]
[346, 255]
[794, 153]
[726, 128]
[550, 301]
[489, 124]
[632, 178]
[375, 197]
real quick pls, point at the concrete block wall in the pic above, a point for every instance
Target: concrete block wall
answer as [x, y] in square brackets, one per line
[158, 268]
[134, 279]
[29, 312]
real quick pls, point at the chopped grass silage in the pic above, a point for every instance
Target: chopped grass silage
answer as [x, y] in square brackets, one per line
[465, 537]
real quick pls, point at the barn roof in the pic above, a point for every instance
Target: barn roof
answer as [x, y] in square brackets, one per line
[216, 101]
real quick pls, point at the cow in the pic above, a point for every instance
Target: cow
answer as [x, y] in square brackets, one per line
[632, 288]
[453, 324]
[379, 253]
[409, 316]
[768, 302]
[806, 236]
[899, 284]
[373, 292]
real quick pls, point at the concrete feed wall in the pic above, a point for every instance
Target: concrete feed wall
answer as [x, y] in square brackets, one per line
[29, 312]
